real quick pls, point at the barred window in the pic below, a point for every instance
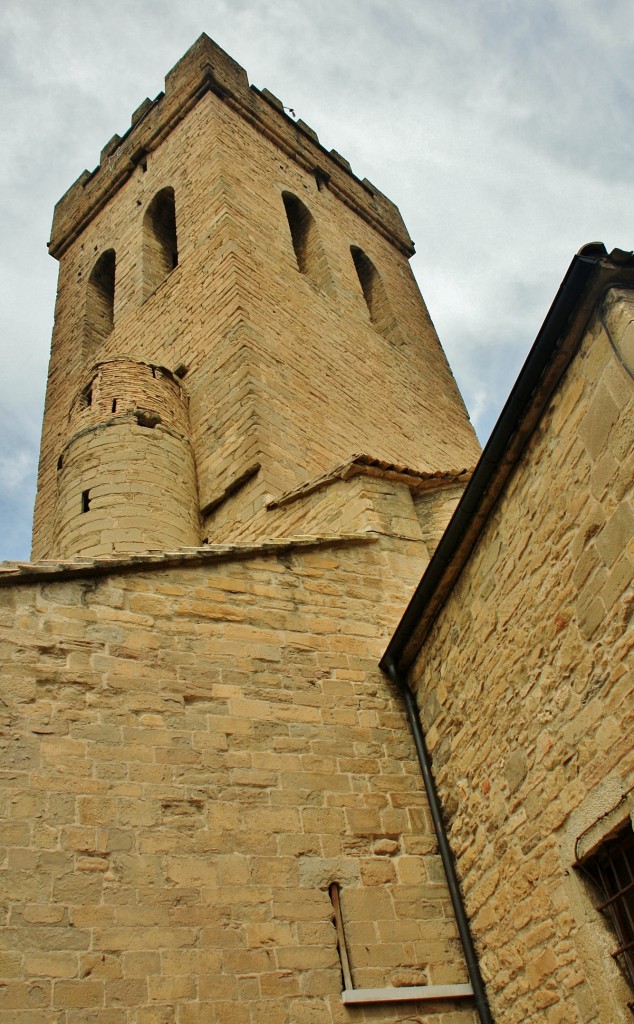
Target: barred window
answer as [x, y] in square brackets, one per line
[611, 869]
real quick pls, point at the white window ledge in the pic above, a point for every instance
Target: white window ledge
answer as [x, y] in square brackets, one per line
[405, 993]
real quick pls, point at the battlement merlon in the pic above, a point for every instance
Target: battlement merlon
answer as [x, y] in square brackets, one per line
[207, 68]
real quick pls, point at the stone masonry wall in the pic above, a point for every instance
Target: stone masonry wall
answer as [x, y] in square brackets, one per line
[343, 506]
[434, 511]
[123, 386]
[191, 755]
[525, 690]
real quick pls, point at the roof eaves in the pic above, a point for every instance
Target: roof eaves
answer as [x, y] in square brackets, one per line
[418, 481]
[87, 566]
[589, 275]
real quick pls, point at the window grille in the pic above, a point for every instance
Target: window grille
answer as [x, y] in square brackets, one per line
[612, 871]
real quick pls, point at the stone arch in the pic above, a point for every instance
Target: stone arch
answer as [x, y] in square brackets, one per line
[308, 247]
[99, 319]
[375, 295]
[160, 244]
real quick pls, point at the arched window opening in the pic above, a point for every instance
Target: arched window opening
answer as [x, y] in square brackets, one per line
[309, 251]
[160, 249]
[100, 299]
[375, 295]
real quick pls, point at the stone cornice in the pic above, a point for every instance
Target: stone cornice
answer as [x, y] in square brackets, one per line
[83, 566]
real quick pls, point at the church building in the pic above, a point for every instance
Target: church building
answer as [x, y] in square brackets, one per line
[312, 713]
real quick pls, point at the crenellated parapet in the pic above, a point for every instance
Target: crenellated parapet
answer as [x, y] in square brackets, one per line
[203, 69]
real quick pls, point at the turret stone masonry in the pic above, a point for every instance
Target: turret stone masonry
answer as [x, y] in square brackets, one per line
[213, 808]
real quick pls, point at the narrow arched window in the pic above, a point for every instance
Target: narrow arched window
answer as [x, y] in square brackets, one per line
[100, 299]
[160, 249]
[309, 251]
[375, 295]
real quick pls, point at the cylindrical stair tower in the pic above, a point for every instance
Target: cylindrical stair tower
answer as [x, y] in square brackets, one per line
[127, 478]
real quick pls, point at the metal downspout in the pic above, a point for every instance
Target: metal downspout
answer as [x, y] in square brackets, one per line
[473, 967]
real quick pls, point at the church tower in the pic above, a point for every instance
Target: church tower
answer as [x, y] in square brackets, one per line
[252, 442]
[236, 317]
[215, 811]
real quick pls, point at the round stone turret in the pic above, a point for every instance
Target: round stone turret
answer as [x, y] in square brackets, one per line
[126, 479]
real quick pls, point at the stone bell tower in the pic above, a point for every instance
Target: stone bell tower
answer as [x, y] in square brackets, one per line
[252, 441]
[235, 316]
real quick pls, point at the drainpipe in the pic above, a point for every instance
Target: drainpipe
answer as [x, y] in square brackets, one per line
[446, 856]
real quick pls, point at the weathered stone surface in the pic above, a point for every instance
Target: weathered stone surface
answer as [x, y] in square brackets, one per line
[284, 766]
[197, 742]
[200, 743]
[526, 677]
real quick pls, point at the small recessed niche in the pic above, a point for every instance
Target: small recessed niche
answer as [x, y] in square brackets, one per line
[147, 419]
[85, 501]
[181, 370]
[86, 396]
[140, 158]
[321, 178]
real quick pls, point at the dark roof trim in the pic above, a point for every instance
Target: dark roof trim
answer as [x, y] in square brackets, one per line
[591, 272]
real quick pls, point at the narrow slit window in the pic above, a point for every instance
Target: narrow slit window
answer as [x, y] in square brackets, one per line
[160, 246]
[334, 891]
[309, 251]
[99, 320]
[85, 501]
[375, 295]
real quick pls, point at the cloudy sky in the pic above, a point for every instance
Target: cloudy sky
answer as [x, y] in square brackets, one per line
[502, 128]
